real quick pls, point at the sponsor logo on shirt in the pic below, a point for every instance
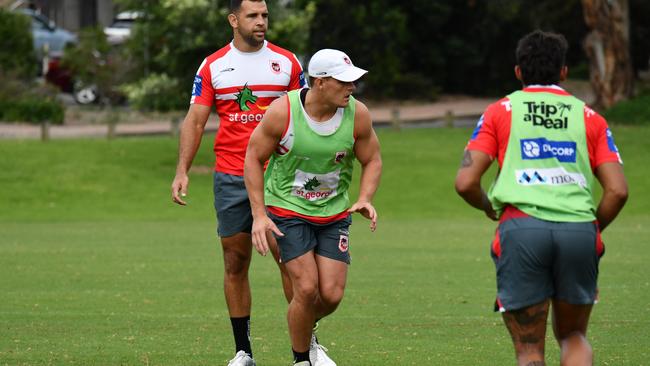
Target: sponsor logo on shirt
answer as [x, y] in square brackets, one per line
[478, 128]
[549, 116]
[610, 142]
[196, 87]
[550, 177]
[541, 148]
[302, 81]
[314, 187]
[245, 117]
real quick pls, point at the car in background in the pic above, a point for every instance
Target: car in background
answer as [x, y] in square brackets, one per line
[49, 40]
[120, 30]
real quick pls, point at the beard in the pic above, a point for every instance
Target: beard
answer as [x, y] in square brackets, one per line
[252, 40]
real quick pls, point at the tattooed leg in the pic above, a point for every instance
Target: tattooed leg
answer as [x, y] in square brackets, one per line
[527, 328]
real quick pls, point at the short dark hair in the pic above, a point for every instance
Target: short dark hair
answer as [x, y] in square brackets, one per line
[541, 57]
[236, 4]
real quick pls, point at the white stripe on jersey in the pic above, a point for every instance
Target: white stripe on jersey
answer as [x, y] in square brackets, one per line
[263, 94]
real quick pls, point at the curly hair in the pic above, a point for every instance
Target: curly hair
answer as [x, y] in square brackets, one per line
[541, 57]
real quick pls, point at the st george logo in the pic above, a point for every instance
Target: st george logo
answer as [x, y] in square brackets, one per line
[244, 97]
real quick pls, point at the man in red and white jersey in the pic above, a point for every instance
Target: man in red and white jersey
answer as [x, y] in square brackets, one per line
[241, 80]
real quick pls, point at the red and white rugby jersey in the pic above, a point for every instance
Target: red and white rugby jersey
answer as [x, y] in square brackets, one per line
[493, 131]
[242, 85]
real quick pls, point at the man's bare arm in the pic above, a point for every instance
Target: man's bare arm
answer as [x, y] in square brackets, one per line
[367, 151]
[190, 139]
[468, 181]
[615, 192]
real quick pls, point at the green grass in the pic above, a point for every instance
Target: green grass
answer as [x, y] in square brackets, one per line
[635, 111]
[98, 267]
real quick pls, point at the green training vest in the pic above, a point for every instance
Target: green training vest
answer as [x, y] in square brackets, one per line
[546, 171]
[314, 176]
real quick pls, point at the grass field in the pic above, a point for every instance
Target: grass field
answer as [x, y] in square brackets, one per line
[98, 267]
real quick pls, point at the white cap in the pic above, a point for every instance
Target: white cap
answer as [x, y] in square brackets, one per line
[333, 63]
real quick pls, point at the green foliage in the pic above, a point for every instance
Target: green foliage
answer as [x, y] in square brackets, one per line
[375, 35]
[156, 92]
[289, 26]
[174, 37]
[94, 61]
[635, 111]
[24, 101]
[16, 45]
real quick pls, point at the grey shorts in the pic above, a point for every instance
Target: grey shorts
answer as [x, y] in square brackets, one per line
[300, 236]
[536, 260]
[232, 205]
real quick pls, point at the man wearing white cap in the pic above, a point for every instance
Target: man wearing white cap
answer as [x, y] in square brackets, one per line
[312, 137]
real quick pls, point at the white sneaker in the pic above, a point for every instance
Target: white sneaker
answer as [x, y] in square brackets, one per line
[317, 354]
[242, 359]
[303, 363]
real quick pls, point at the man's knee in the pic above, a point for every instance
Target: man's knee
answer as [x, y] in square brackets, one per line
[305, 291]
[235, 262]
[332, 296]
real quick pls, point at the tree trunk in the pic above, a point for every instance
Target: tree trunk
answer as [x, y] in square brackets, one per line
[607, 47]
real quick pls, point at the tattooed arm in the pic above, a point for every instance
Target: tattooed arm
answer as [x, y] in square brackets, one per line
[468, 181]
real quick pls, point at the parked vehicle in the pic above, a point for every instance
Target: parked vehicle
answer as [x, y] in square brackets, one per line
[120, 30]
[49, 40]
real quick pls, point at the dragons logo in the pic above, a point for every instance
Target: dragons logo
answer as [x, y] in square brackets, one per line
[244, 97]
[311, 184]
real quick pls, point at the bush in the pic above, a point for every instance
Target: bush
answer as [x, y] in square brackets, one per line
[24, 101]
[16, 45]
[156, 92]
[31, 109]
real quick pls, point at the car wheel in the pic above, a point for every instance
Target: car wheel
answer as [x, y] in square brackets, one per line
[85, 94]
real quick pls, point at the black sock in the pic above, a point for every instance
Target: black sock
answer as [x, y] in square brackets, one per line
[300, 356]
[241, 329]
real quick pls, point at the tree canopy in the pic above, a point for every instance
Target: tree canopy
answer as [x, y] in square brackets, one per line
[413, 49]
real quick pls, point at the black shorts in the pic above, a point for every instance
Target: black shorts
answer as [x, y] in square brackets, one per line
[536, 260]
[300, 236]
[232, 205]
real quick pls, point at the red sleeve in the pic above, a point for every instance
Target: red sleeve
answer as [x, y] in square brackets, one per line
[202, 90]
[600, 140]
[492, 130]
[297, 75]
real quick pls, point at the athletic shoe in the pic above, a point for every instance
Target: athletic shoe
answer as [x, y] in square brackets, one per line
[303, 363]
[317, 354]
[242, 359]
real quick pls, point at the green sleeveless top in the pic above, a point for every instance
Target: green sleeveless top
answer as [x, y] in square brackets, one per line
[313, 177]
[546, 171]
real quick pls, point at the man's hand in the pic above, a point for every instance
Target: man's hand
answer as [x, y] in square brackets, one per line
[366, 210]
[489, 211]
[261, 226]
[179, 188]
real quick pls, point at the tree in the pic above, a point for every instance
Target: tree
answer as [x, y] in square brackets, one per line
[607, 47]
[172, 38]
